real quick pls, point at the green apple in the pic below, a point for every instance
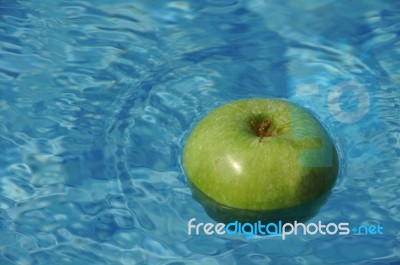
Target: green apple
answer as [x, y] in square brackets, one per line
[260, 157]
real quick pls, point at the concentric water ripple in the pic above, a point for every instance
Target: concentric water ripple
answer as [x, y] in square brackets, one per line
[97, 99]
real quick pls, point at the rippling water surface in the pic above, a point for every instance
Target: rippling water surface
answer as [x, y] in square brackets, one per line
[98, 97]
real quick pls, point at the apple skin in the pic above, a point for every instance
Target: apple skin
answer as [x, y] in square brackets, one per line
[229, 167]
[225, 214]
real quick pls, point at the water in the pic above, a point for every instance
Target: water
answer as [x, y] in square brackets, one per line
[98, 97]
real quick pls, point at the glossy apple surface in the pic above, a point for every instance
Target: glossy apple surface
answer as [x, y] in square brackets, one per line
[233, 161]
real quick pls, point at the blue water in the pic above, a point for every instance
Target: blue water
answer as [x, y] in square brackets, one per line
[98, 97]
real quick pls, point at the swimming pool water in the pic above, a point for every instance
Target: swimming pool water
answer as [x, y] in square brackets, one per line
[97, 99]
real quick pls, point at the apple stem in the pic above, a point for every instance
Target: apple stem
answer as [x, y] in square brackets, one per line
[262, 130]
